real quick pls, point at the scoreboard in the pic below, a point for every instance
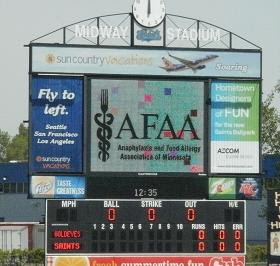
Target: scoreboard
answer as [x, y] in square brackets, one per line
[145, 226]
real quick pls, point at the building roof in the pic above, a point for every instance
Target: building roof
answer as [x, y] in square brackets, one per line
[13, 172]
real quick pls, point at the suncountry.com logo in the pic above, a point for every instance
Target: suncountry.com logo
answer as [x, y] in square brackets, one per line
[99, 60]
[49, 162]
[162, 124]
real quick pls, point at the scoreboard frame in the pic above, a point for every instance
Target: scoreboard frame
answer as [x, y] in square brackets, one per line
[141, 254]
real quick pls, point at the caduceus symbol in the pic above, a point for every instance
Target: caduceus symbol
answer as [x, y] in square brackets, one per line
[104, 132]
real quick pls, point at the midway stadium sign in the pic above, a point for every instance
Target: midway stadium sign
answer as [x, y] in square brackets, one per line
[172, 33]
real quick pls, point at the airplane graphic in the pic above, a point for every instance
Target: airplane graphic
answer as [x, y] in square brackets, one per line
[186, 64]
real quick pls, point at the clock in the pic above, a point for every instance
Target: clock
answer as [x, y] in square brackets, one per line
[149, 13]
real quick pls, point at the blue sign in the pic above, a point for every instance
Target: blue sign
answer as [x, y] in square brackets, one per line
[57, 186]
[56, 124]
[148, 35]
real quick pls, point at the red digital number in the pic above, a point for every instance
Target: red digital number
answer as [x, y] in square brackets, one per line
[222, 234]
[151, 214]
[201, 234]
[237, 234]
[237, 246]
[201, 246]
[111, 214]
[222, 246]
[191, 214]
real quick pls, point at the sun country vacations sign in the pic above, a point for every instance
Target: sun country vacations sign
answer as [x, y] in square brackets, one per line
[122, 32]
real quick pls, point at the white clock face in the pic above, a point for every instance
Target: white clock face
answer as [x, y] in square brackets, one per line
[149, 13]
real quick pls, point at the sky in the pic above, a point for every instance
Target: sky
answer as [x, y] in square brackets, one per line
[22, 21]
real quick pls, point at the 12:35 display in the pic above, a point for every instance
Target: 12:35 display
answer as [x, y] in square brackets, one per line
[141, 192]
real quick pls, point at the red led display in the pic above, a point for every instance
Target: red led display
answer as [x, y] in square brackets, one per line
[67, 246]
[237, 246]
[190, 214]
[201, 234]
[237, 234]
[222, 234]
[221, 246]
[111, 214]
[151, 214]
[201, 246]
[67, 234]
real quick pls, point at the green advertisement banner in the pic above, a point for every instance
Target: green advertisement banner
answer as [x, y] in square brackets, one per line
[235, 126]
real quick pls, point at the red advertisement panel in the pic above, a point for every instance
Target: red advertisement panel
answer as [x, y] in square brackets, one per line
[146, 261]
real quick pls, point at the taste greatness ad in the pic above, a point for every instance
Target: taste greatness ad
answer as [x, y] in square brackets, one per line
[147, 261]
[147, 126]
[235, 123]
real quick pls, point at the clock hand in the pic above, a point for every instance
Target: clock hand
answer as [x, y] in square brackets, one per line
[149, 7]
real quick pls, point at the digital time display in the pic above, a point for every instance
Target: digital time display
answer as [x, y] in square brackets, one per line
[145, 226]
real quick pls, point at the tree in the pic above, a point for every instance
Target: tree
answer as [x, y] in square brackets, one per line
[18, 148]
[271, 138]
[4, 142]
[271, 123]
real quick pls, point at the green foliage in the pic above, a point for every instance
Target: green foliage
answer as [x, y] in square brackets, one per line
[4, 257]
[272, 183]
[271, 124]
[14, 148]
[17, 148]
[4, 142]
[256, 253]
[19, 257]
[36, 255]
